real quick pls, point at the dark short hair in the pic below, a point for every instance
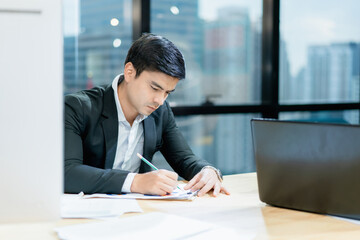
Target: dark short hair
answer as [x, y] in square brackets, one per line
[156, 53]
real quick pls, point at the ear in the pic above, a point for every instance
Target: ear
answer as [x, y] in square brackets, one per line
[129, 72]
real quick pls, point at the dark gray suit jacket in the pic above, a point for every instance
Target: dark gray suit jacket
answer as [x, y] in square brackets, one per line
[91, 133]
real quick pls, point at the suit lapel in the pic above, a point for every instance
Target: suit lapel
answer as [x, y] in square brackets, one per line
[110, 126]
[149, 141]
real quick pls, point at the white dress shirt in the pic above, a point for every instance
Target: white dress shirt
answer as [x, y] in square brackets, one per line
[130, 142]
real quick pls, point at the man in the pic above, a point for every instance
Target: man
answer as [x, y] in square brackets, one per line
[107, 126]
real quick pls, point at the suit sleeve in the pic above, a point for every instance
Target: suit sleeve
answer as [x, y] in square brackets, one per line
[78, 176]
[176, 150]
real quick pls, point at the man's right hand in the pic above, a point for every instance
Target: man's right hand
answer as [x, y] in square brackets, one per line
[158, 182]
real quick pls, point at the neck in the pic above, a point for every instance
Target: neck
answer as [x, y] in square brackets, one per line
[129, 112]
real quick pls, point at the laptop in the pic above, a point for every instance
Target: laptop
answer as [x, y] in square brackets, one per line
[306, 166]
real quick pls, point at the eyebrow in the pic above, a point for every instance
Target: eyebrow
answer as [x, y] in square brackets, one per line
[158, 86]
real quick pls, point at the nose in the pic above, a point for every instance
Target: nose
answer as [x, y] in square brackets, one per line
[160, 99]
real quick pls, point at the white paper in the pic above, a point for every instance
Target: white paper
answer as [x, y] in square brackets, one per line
[74, 206]
[177, 194]
[146, 226]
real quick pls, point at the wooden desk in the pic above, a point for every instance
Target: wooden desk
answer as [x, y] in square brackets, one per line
[242, 211]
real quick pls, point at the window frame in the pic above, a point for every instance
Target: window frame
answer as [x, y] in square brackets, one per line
[270, 106]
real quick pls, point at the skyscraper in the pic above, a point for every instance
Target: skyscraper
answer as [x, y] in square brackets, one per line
[331, 71]
[332, 74]
[228, 56]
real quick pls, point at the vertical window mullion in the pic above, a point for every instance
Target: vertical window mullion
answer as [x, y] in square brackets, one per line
[140, 18]
[270, 58]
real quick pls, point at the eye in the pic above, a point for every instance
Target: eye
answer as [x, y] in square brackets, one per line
[154, 88]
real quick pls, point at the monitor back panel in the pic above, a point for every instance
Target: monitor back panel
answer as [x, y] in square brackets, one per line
[308, 166]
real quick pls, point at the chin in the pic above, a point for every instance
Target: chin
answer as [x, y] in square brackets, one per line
[146, 113]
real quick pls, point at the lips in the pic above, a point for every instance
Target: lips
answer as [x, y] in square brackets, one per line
[153, 107]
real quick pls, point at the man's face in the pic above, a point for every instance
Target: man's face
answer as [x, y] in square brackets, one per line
[149, 91]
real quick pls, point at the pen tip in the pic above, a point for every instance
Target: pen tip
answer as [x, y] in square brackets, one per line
[138, 154]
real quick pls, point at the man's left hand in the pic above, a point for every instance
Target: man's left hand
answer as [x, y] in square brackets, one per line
[204, 181]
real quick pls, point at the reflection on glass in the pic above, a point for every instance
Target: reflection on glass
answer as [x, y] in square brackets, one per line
[114, 22]
[347, 117]
[221, 43]
[97, 36]
[319, 51]
[223, 140]
[174, 10]
[116, 43]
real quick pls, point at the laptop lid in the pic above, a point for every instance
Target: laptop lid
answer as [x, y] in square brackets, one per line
[308, 166]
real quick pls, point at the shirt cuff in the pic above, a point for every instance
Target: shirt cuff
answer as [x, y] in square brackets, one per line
[127, 183]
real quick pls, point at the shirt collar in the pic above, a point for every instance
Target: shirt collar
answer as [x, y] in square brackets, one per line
[121, 117]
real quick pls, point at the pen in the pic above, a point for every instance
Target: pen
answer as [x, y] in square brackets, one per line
[147, 162]
[150, 164]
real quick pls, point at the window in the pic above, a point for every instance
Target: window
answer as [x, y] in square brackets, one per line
[224, 140]
[343, 117]
[221, 43]
[97, 36]
[319, 51]
[241, 63]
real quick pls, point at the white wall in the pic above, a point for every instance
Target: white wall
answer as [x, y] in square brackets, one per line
[31, 110]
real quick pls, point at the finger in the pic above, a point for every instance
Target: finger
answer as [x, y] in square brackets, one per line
[167, 188]
[198, 185]
[205, 189]
[171, 183]
[192, 182]
[205, 179]
[169, 174]
[158, 189]
[217, 188]
[160, 192]
[224, 190]
[163, 181]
